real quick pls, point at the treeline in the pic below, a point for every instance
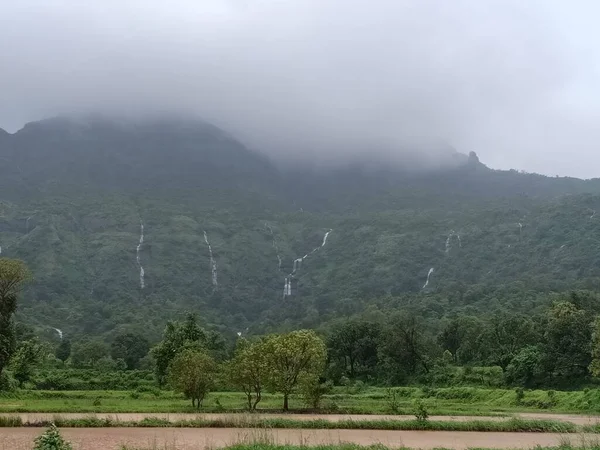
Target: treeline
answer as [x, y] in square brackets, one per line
[557, 347]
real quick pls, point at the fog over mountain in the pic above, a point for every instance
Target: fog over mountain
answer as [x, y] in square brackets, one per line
[327, 81]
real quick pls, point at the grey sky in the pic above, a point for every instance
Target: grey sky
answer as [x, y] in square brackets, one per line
[517, 81]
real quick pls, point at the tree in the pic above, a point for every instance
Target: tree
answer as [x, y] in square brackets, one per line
[176, 337]
[568, 342]
[86, 354]
[406, 349]
[13, 275]
[459, 337]
[63, 351]
[595, 364]
[504, 336]
[525, 368]
[293, 359]
[248, 370]
[355, 343]
[192, 372]
[26, 357]
[131, 348]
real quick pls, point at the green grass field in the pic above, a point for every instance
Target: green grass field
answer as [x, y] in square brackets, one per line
[443, 401]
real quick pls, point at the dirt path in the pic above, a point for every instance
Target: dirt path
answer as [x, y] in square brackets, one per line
[195, 439]
[126, 417]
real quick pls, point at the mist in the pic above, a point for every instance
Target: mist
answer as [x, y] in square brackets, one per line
[327, 81]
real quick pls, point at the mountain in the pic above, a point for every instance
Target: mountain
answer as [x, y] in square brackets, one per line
[74, 195]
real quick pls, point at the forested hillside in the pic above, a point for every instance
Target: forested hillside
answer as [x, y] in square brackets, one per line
[127, 225]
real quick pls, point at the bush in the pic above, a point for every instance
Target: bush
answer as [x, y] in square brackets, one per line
[51, 440]
[421, 413]
[519, 395]
[393, 401]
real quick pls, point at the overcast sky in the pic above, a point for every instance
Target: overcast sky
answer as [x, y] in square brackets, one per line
[517, 81]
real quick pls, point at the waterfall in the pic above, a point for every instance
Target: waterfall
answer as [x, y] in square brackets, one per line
[428, 276]
[213, 263]
[59, 332]
[449, 240]
[287, 288]
[27, 224]
[137, 255]
[279, 260]
[593, 214]
[325, 238]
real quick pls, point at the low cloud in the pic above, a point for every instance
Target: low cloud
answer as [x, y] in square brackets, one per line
[325, 80]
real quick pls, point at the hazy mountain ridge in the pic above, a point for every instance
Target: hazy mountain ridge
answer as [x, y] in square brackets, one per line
[74, 196]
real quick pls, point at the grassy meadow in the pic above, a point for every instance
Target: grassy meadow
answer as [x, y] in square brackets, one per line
[371, 400]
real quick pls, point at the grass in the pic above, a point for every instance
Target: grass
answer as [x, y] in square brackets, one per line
[371, 400]
[512, 425]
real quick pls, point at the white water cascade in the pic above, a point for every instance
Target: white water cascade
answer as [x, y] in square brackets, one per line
[593, 214]
[213, 263]
[59, 332]
[449, 240]
[137, 255]
[428, 276]
[279, 260]
[287, 287]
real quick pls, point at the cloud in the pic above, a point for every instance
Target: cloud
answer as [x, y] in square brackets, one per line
[322, 79]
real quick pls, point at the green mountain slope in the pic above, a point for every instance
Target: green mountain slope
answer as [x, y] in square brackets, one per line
[74, 194]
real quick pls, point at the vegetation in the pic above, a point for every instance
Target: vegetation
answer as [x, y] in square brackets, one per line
[510, 425]
[51, 440]
[13, 274]
[192, 372]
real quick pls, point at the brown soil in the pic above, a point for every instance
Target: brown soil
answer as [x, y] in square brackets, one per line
[126, 417]
[194, 439]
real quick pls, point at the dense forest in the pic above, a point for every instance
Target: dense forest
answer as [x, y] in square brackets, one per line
[125, 226]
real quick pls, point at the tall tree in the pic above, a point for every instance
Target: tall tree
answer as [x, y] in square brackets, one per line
[87, 353]
[26, 357]
[504, 336]
[248, 370]
[406, 349]
[176, 336]
[355, 343]
[13, 275]
[595, 364]
[129, 347]
[568, 342]
[294, 359]
[459, 337]
[193, 372]
[63, 351]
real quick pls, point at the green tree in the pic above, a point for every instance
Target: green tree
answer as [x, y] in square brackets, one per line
[355, 343]
[176, 337]
[459, 337]
[131, 348]
[193, 373]
[595, 364]
[248, 370]
[63, 351]
[525, 368]
[87, 353]
[13, 275]
[568, 342]
[406, 349]
[294, 359]
[504, 336]
[27, 356]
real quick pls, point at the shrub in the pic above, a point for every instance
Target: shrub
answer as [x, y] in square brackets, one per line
[393, 400]
[51, 440]
[519, 395]
[421, 413]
